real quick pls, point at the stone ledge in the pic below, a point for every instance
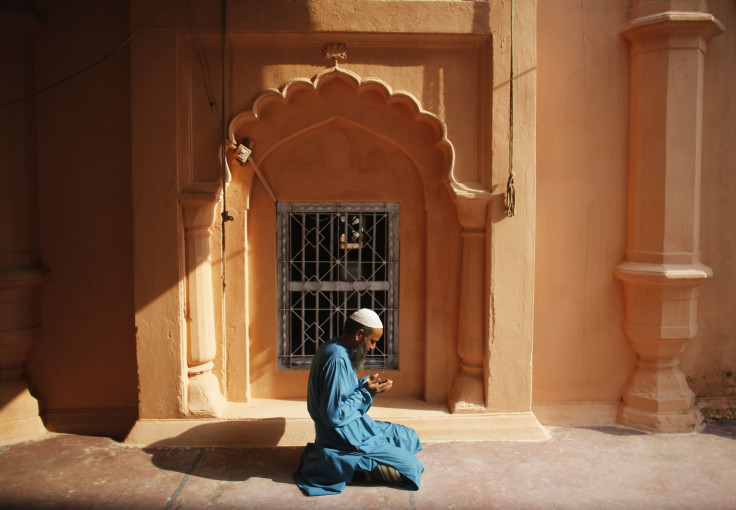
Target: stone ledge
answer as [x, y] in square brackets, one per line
[264, 423]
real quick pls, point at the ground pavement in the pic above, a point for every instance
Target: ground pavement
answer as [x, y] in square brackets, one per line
[577, 468]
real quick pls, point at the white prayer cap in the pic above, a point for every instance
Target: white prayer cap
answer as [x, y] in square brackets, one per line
[367, 318]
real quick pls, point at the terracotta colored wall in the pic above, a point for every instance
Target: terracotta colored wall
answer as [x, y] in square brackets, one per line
[85, 359]
[341, 153]
[580, 349]
[709, 360]
[299, 175]
[444, 80]
[439, 59]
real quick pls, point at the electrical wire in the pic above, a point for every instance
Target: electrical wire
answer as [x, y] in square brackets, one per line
[223, 176]
[93, 64]
[203, 66]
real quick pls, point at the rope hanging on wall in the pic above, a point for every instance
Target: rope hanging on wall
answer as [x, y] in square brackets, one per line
[510, 198]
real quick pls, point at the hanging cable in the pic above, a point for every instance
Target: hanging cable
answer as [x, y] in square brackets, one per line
[223, 175]
[93, 64]
[510, 198]
[203, 66]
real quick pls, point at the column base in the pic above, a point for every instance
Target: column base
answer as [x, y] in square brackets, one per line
[205, 399]
[689, 420]
[659, 400]
[19, 419]
[467, 395]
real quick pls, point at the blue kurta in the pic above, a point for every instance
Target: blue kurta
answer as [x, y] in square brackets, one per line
[347, 439]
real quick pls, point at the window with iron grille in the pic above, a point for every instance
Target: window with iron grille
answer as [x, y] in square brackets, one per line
[335, 259]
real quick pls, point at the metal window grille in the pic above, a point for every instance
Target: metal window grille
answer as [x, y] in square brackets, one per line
[334, 259]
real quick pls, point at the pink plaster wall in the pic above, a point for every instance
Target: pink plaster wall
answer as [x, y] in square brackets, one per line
[580, 350]
[86, 359]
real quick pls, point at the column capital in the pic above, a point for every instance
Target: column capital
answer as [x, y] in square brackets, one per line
[472, 209]
[198, 205]
[698, 26]
[663, 275]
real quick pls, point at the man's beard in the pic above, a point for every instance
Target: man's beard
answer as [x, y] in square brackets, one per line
[357, 356]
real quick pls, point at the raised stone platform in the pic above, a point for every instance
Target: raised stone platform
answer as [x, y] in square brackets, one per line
[287, 423]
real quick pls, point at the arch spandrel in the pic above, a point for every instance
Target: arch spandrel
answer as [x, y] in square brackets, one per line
[361, 165]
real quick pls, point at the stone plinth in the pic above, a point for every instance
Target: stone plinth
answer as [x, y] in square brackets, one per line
[661, 310]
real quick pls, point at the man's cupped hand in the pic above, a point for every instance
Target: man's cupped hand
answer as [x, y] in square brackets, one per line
[376, 385]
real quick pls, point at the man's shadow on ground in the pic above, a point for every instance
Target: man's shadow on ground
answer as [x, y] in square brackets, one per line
[230, 463]
[224, 462]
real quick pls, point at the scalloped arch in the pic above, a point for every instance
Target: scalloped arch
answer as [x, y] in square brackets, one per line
[281, 113]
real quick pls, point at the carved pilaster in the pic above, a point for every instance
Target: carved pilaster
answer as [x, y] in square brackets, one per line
[663, 269]
[467, 394]
[198, 214]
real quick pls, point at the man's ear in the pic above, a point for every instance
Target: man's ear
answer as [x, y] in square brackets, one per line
[359, 334]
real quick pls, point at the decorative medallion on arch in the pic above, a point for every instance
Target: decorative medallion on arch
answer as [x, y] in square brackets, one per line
[340, 138]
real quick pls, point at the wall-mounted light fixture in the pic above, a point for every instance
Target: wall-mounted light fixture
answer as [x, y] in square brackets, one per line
[243, 152]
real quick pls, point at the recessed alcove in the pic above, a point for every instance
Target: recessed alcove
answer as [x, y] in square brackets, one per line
[352, 143]
[338, 136]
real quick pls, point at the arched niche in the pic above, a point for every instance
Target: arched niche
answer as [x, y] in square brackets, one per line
[337, 138]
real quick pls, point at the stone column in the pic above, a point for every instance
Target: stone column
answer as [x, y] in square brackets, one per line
[198, 214]
[662, 270]
[20, 272]
[467, 394]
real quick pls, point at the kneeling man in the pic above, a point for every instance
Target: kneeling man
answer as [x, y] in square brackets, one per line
[347, 439]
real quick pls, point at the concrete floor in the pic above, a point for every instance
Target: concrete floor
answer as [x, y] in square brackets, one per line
[577, 468]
